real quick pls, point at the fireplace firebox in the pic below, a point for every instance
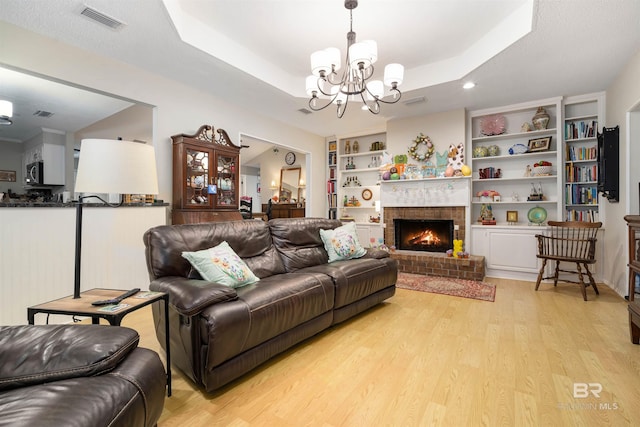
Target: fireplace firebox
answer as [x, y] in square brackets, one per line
[429, 235]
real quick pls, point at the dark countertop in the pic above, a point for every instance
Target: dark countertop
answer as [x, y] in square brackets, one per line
[72, 205]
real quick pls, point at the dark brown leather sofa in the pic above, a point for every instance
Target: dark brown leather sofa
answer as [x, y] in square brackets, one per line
[78, 375]
[220, 333]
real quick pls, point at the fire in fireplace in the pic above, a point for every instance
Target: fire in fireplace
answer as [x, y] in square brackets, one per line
[430, 235]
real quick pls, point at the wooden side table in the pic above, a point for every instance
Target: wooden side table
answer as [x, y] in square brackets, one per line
[82, 307]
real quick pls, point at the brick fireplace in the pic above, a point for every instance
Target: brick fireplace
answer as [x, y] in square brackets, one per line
[435, 199]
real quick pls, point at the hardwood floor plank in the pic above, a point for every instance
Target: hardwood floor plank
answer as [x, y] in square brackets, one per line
[426, 359]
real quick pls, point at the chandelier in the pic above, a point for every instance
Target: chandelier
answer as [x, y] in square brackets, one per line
[355, 83]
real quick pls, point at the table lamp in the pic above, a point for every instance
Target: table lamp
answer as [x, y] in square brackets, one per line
[111, 166]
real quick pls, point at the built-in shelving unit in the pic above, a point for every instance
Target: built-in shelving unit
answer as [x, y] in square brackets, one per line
[517, 179]
[358, 184]
[332, 175]
[582, 115]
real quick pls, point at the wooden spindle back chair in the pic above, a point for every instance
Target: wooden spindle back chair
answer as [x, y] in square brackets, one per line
[569, 241]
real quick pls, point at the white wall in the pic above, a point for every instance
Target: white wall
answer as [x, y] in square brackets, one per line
[179, 108]
[622, 97]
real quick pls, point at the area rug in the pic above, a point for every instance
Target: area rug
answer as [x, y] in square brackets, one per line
[447, 286]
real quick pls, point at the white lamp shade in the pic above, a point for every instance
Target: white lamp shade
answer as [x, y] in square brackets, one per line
[113, 166]
[373, 49]
[360, 52]
[320, 62]
[376, 88]
[6, 108]
[393, 73]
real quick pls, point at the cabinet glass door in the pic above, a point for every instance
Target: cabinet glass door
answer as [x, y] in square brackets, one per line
[198, 191]
[226, 180]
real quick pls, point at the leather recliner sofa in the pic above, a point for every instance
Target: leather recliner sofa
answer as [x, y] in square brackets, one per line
[78, 375]
[219, 333]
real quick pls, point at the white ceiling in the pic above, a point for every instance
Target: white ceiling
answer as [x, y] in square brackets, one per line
[263, 47]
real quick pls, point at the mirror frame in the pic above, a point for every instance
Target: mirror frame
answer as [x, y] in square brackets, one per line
[295, 187]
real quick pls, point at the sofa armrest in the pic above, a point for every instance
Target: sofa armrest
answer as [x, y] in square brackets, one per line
[190, 296]
[36, 354]
[376, 253]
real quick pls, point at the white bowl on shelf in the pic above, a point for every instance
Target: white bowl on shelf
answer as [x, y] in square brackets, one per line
[542, 170]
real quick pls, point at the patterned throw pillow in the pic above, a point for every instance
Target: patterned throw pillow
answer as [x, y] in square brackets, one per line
[342, 243]
[222, 265]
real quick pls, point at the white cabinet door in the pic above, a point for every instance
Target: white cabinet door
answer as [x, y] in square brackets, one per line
[509, 252]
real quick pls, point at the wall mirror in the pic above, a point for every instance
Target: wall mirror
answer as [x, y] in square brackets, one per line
[289, 185]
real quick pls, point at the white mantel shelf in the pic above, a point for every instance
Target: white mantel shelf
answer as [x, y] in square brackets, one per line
[426, 192]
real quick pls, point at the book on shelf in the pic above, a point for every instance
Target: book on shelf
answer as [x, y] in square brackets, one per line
[581, 195]
[588, 215]
[577, 174]
[581, 153]
[331, 186]
[332, 199]
[579, 129]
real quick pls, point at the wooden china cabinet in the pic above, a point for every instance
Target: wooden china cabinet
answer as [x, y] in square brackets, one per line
[206, 168]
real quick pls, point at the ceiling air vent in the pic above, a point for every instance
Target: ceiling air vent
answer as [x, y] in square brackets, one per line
[417, 100]
[101, 18]
[42, 113]
[304, 111]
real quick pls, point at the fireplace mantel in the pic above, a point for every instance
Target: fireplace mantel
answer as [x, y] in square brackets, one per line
[430, 192]
[446, 198]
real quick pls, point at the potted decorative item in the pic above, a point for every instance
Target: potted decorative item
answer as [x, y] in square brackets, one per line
[541, 119]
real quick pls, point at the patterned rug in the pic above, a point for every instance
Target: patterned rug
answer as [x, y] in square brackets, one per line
[447, 286]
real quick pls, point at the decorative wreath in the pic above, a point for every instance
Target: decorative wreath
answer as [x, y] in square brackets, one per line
[417, 152]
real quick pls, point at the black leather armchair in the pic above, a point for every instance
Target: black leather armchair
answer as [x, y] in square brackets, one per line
[78, 375]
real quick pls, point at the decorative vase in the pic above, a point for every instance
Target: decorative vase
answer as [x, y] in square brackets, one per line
[355, 147]
[347, 147]
[541, 119]
[493, 150]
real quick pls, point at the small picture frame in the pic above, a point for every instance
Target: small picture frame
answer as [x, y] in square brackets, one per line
[539, 144]
[512, 217]
[496, 199]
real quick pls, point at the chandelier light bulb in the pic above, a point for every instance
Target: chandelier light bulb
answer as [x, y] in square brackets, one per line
[376, 90]
[320, 63]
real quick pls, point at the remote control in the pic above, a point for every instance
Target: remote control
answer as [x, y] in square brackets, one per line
[117, 299]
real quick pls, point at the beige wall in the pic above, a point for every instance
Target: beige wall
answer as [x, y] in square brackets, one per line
[442, 128]
[622, 96]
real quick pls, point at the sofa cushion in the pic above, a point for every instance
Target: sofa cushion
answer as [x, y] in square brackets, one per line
[264, 310]
[298, 241]
[342, 243]
[251, 240]
[221, 264]
[44, 353]
[355, 279]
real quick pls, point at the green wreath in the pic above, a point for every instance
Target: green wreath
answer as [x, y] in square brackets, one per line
[415, 151]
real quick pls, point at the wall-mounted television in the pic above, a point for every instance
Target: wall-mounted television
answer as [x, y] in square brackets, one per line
[609, 163]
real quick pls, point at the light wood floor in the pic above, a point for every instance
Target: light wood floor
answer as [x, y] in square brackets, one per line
[422, 359]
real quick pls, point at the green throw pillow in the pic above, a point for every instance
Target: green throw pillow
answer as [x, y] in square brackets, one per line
[222, 265]
[342, 243]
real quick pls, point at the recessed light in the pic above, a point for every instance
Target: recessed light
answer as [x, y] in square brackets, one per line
[468, 85]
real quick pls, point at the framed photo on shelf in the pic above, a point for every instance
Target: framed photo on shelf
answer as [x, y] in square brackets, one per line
[539, 144]
[512, 217]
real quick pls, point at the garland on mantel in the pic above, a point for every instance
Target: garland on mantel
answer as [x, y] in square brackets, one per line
[415, 151]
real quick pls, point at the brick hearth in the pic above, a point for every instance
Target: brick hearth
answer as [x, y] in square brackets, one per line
[433, 263]
[439, 264]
